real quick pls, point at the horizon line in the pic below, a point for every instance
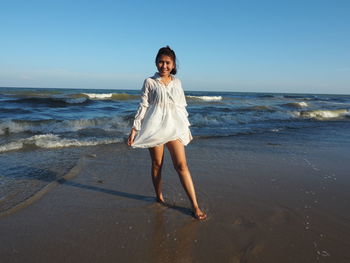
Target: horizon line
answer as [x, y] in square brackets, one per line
[263, 92]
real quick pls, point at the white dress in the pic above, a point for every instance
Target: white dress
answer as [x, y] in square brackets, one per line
[162, 115]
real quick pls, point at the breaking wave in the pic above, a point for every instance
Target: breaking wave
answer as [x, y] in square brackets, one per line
[60, 126]
[324, 114]
[205, 98]
[110, 96]
[301, 104]
[50, 141]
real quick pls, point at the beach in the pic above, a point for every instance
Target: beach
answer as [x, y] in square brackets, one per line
[270, 197]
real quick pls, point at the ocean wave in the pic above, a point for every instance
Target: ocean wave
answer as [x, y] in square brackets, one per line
[227, 120]
[109, 96]
[257, 108]
[75, 100]
[30, 93]
[324, 114]
[57, 126]
[50, 141]
[301, 104]
[205, 98]
[265, 96]
[299, 96]
[320, 97]
[15, 111]
[49, 101]
[99, 96]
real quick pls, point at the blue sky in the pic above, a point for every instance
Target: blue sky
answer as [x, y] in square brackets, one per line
[258, 46]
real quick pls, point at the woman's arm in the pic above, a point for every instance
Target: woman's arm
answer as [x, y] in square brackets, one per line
[140, 114]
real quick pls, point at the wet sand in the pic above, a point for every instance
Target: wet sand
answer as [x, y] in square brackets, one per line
[269, 198]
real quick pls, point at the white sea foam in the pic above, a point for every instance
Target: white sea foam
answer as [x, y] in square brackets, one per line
[10, 127]
[206, 98]
[275, 130]
[108, 96]
[324, 114]
[49, 141]
[12, 146]
[99, 96]
[301, 104]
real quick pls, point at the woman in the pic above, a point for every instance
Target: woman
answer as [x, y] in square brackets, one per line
[162, 120]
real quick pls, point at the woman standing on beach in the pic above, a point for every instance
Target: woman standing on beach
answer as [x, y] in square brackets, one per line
[162, 119]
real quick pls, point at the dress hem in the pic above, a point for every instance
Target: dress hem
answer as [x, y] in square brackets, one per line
[176, 138]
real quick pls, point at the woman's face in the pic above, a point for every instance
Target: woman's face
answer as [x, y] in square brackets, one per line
[165, 65]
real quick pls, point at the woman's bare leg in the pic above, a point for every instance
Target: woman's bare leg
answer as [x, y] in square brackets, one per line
[177, 152]
[157, 156]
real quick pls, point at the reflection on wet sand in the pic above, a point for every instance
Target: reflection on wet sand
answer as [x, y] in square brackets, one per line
[172, 241]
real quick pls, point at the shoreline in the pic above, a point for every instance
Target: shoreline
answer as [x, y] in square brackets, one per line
[40, 193]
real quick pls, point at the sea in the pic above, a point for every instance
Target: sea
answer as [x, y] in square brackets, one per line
[44, 132]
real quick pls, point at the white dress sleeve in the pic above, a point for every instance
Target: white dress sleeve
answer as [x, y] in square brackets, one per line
[181, 104]
[140, 114]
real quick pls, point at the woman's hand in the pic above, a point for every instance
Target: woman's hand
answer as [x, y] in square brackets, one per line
[132, 136]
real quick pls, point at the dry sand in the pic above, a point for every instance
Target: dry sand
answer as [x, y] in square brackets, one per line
[267, 201]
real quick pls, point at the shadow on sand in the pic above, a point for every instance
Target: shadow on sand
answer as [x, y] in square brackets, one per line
[150, 199]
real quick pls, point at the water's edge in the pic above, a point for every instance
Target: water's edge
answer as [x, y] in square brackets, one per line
[39, 194]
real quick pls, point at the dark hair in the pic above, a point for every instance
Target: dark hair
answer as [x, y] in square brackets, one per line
[167, 51]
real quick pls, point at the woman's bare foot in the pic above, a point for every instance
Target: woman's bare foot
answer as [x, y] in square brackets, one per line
[199, 214]
[160, 200]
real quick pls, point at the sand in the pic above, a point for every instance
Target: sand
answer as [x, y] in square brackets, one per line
[268, 199]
